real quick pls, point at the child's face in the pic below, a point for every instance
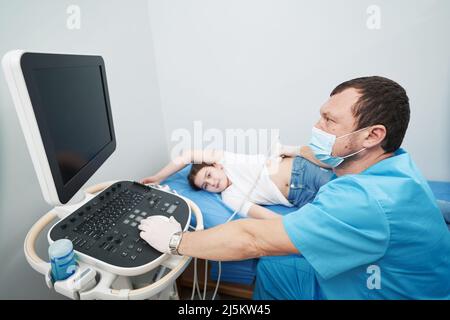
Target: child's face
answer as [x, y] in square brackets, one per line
[212, 179]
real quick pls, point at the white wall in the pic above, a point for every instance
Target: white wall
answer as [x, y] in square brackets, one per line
[231, 64]
[120, 32]
[272, 63]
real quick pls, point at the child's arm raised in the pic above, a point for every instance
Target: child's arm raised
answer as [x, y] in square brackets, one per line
[209, 156]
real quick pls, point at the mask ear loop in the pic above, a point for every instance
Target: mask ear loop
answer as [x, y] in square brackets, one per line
[347, 134]
[354, 153]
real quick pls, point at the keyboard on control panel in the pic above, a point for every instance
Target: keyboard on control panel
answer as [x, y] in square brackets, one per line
[106, 227]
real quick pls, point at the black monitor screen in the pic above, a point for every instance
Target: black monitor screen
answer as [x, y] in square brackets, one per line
[74, 107]
[70, 100]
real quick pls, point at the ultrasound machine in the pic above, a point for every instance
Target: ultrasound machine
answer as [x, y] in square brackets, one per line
[64, 110]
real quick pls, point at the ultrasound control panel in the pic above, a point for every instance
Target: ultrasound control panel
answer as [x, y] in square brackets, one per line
[106, 227]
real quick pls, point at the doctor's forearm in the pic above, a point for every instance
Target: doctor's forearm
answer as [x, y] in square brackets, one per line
[238, 240]
[225, 242]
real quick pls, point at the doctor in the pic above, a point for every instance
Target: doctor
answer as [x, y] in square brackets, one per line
[373, 232]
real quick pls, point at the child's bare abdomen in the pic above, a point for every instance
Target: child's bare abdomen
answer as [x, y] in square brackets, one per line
[280, 173]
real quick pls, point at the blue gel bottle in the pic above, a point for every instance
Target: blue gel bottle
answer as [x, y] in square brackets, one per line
[62, 259]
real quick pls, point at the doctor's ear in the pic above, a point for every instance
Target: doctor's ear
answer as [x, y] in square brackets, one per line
[376, 135]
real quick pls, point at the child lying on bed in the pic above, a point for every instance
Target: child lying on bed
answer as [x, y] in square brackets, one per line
[292, 179]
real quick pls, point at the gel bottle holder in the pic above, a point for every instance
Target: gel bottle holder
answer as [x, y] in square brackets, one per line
[62, 259]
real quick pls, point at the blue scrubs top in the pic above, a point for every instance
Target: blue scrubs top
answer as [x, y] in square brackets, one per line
[375, 235]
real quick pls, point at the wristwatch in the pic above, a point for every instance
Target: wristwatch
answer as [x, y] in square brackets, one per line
[174, 242]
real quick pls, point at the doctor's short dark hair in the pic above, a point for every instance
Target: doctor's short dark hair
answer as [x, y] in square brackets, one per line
[382, 101]
[196, 167]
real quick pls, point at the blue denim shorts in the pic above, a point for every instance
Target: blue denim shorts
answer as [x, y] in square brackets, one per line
[306, 180]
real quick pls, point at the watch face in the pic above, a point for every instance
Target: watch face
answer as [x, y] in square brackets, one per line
[174, 242]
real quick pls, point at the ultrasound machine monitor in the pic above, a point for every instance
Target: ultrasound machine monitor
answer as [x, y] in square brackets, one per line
[63, 106]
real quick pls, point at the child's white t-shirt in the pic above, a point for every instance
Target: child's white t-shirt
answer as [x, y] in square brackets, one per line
[243, 170]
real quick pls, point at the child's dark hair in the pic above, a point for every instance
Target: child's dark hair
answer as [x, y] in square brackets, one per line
[196, 167]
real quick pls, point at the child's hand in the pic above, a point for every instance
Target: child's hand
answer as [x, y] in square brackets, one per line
[150, 180]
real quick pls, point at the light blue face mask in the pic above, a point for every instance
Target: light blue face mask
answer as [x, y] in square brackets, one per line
[322, 144]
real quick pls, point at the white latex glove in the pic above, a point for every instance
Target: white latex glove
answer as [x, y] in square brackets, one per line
[286, 151]
[157, 231]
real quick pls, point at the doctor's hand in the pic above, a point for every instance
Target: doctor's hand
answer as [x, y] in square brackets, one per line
[157, 231]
